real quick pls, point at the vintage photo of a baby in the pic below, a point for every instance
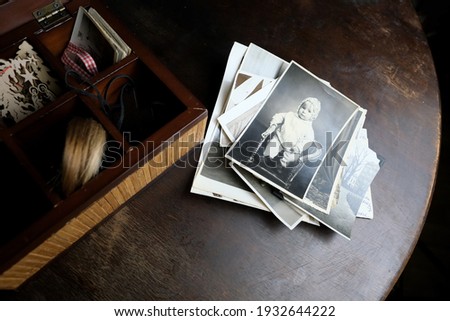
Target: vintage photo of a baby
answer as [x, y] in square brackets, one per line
[291, 133]
[288, 138]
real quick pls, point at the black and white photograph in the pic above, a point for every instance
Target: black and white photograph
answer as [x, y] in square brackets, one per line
[213, 177]
[301, 140]
[359, 174]
[288, 214]
[322, 188]
[258, 68]
[234, 121]
[352, 198]
[288, 139]
[245, 86]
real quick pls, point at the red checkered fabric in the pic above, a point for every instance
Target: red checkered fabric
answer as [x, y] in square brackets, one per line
[80, 60]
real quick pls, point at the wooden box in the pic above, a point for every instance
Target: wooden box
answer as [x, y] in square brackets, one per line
[38, 221]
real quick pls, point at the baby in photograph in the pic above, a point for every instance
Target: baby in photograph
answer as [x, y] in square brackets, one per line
[292, 132]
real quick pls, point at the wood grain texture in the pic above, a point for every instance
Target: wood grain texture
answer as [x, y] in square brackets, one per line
[167, 243]
[100, 209]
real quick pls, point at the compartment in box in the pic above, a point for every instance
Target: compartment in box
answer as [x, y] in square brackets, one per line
[43, 141]
[23, 202]
[148, 104]
[28, 82]
[55, 41]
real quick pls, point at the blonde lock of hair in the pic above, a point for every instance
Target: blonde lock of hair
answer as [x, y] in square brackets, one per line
[83, 153]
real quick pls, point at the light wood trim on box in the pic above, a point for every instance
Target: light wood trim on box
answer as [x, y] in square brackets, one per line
[100, 209]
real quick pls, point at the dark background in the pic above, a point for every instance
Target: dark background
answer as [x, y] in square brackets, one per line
[426, 276]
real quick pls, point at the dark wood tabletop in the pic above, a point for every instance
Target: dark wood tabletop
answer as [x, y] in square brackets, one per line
[169, 244]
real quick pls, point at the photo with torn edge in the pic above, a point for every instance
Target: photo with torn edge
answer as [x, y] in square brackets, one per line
[322, 188]
[348, 207]
[359, 174]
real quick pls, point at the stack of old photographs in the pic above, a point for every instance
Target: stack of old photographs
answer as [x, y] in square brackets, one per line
[285, 141]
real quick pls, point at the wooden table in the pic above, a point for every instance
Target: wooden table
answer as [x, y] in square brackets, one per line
[167, 243]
